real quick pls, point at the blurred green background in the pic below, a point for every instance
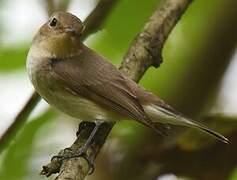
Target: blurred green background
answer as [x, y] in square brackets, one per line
[197, 77]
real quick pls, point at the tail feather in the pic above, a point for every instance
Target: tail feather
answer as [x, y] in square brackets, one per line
[204, 128]
[166, 114]
[211, 132]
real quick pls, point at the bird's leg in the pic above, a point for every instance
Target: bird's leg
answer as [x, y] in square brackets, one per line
[83, 125]
[82, 152]
[90, 138]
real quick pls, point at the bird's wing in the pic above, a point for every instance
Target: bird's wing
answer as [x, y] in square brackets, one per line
[108, 93]
[92, 77]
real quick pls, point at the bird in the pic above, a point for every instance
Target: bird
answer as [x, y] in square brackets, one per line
[83, 84]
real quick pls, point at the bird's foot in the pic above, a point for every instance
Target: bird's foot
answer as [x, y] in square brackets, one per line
[69, 153]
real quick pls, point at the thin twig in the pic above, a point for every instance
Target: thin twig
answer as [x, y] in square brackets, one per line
[144, 52]
[95, 20]
[19, 121]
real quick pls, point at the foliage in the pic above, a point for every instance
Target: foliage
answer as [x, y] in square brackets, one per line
[183, 55]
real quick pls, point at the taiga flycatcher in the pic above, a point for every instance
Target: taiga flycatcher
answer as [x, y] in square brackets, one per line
[83, 84]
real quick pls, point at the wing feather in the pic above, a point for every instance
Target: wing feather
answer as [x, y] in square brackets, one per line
[106, 86]
[92, 77]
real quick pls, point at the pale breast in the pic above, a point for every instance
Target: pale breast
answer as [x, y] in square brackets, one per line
[63, 99]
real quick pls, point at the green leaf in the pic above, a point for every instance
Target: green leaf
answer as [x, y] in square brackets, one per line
[13, 58]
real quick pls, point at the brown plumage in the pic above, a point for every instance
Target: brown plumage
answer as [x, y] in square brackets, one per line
[83, 84]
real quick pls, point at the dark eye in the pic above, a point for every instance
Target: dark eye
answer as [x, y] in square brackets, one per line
[53, 22]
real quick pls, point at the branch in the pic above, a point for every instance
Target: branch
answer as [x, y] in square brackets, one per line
[214, 160]
[97, 17]
[208, 159]
[218, 161]
[52, 6]
[49, 6]
[145, 51]
[31, 103]
[19, 121]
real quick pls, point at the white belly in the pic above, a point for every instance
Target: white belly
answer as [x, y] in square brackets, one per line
[61, 98]
[80, 108]
[70, 103]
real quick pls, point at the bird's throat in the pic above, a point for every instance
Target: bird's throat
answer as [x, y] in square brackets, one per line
[61, 46]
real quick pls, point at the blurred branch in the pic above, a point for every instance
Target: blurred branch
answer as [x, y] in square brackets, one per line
[51, 6]
[63, 5]
[34, 99]
[95, 20]
[216, 158]
[193, 155]
[144, 52]
[215, 161]
[19, 121]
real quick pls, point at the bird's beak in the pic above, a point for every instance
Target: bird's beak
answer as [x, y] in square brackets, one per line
[70, 30]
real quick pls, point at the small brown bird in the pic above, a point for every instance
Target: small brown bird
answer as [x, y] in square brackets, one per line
[83, 84]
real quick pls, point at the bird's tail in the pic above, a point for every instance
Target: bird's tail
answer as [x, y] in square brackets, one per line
[167, 115]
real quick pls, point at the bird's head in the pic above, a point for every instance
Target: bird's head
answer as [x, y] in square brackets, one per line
[60, 34]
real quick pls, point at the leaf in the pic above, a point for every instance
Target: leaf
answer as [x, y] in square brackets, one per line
[12, 58]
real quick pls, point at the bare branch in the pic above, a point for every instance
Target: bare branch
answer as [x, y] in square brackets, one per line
[145, 51]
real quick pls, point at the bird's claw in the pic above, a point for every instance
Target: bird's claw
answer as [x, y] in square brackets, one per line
[89, 161]
[62, 157]
[80, 153]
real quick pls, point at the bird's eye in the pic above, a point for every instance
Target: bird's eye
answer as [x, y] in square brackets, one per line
[53, 22]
